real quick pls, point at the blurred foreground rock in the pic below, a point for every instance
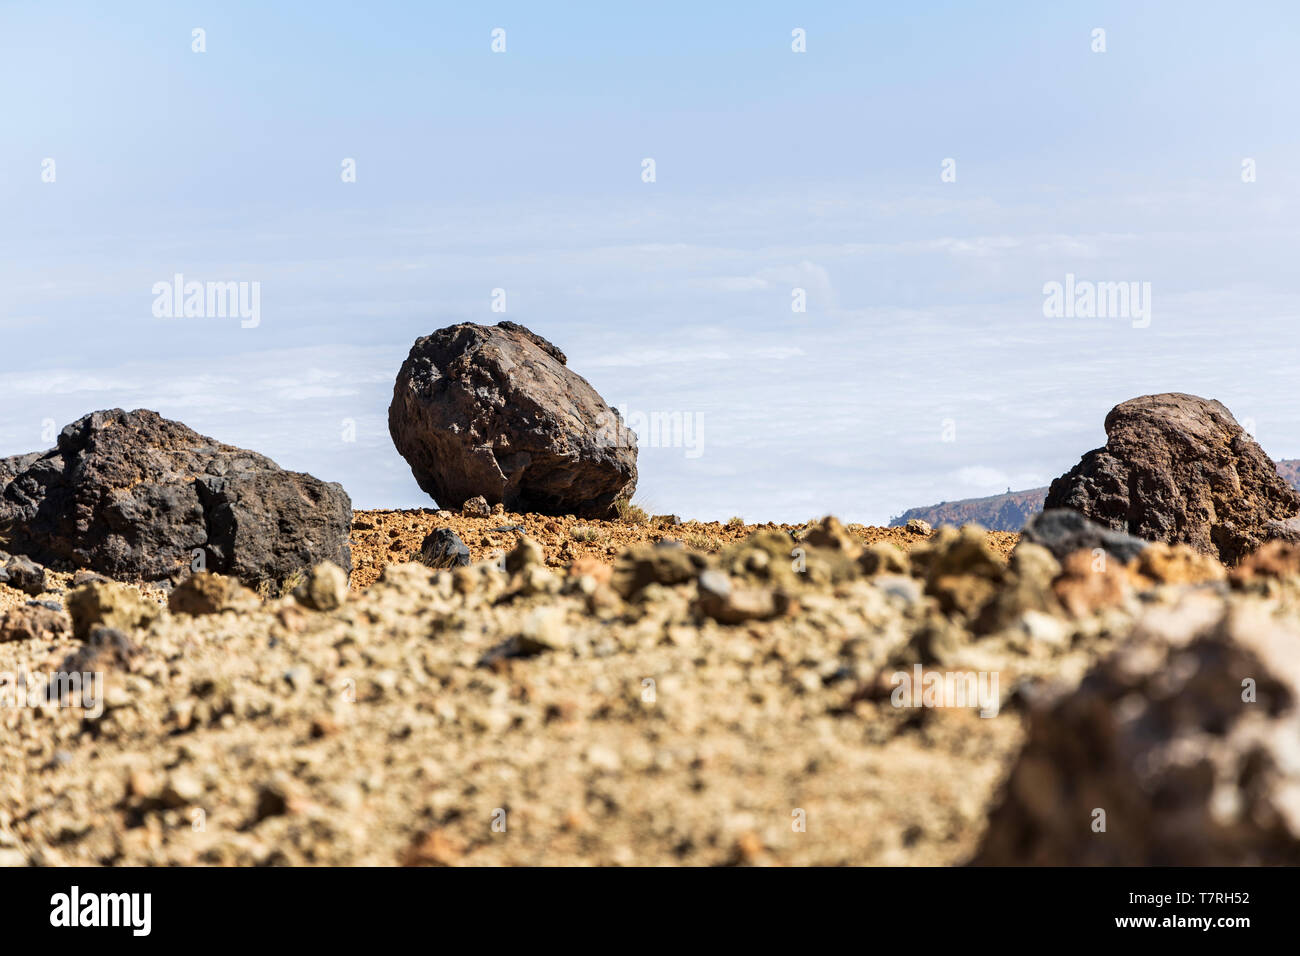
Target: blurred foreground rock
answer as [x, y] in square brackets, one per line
[787, 696]
[1182, 748]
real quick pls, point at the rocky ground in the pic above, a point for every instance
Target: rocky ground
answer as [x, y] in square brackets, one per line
[380, 538]
[271, 678]
[605, 695]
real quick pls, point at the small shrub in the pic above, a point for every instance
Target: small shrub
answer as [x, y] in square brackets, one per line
[629, 513]
[290, 584]
[701, 542]
[269, 589]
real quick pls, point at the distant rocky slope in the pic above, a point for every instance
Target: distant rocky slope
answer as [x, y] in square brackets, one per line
[1009, 512]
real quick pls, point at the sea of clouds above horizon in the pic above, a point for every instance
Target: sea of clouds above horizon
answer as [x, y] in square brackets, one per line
[683, 307]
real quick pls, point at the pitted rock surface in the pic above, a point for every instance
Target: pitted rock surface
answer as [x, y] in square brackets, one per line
[495, 411]
[137, 496]
[1177, 468]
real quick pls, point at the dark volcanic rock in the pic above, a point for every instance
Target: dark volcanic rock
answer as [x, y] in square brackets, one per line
[1177, 750]
[443, 549]
[495, 411]
[1179, 468]
[25, 574]
[135, 495]
[1010, 511]
[15, 465]
[1063, 532]
[476, 507]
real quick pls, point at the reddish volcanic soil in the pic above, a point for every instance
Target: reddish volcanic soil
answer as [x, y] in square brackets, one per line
[380, 538]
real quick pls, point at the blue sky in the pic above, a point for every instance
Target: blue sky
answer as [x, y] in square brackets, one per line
[775, 170]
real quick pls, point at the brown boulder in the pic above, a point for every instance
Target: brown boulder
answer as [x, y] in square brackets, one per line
[1179, 468]
[15, 465]
[495, 411]
[1176, 750]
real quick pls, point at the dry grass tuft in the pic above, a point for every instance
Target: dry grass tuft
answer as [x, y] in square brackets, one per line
[629, 513]
[702, 542]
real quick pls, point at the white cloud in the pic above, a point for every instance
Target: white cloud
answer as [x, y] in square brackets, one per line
[919, 310]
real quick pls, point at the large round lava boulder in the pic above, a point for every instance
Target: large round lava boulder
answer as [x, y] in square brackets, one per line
[496, 411]
[1179, 468]
[137, 496]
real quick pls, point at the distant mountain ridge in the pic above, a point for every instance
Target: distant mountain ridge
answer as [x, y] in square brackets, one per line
[1010, 511]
